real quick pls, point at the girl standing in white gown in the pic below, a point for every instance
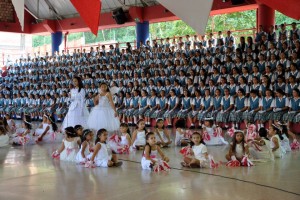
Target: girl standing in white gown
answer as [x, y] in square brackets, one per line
[104, 114]
[78, 112]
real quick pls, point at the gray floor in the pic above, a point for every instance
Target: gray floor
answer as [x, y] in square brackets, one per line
[30, 173]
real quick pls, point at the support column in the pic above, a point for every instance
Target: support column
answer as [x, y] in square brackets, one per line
[56, 39]
[142, 32]
[265, 16]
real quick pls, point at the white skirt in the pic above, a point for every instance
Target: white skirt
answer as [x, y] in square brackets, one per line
[69, 156]
[76, 116]
[103, 117]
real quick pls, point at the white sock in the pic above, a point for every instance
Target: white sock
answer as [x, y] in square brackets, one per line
[262, 125]
[192, 124]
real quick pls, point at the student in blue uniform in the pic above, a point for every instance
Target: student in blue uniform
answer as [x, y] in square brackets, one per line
[162, 105]
[281, 104]
[132, 112]
[266, 105]
[253, 107]
[151, 104]
[143, 107]
[185, 105]
[227, 105]
[119, 104]
[173, 107]
[216, 104]
[205, 107]
[196, 107]
[127, 101]
[293, 115]
[236, 116]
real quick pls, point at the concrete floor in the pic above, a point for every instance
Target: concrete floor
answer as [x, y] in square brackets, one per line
[30, 173]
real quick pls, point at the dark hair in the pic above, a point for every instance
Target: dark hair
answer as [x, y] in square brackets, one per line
[201, 141]
[126, 126]
[85, 133]
[147, 137]
[70, 132]
[159, 120]
[278, 131]
[3, 130]
[99, 133]
[180, 123]
[53, 124]
[284, 130]
[103, 83]
[137, 124]
[234, 142]
[27, 122]
[263, 133]
[77, 127]
[80, 84]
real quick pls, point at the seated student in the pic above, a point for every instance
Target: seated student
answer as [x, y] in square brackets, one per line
[216, 103]
[151, 104]
[173, 107]
[293, 114]
[185, 105]
[132, 112]
[266, 105]
[126, 107]
[280, 106]
[205, 107]
[196, 106]
[227, 105]
[240, 107]
[253, 107]
[162, 105]
[261, 149]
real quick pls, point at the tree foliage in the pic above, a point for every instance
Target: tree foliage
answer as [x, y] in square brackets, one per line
[231, 21]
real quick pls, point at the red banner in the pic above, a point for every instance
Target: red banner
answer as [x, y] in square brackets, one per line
[290, 8]
[89, 10]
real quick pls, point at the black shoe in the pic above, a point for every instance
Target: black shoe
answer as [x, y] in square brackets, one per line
[192, 127]
[169, 126]
[118, 164]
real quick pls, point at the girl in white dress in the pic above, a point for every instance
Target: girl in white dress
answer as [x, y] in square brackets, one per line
[102, 155]
[260, 148]
[238, 147]
[275, 144]
[150, 155]
[199, 153]
[69, 146]
[162, 134]
[78, 112]
[104, 114]
[23, 135]
[139, 136]
[120, 145]
[4, 139]
[49, 133]
[84, 152]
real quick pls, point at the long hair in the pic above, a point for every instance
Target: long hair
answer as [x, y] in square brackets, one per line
[147, 137]
[80, 84]
[99, 133]
[27, 122]
[85, 133]
[103, 83]
[278, 131]
[52, 121]
[234, 142]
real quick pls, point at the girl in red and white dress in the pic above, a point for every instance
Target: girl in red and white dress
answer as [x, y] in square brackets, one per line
[23, 135]
[212, 135]
[121, 144]
[198, 154]
[84, 152]
[150, 160]
[239, 151]
[11, 124]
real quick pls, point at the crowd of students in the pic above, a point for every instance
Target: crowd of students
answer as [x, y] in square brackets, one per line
[256, 80]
